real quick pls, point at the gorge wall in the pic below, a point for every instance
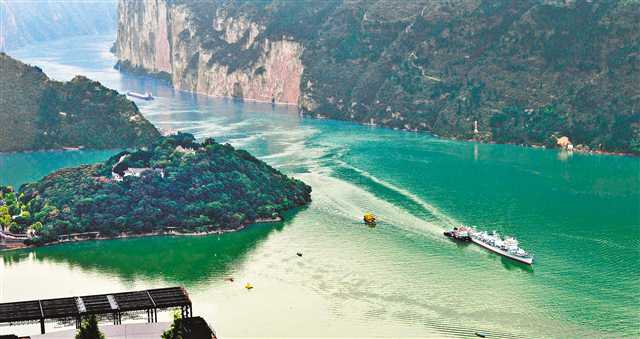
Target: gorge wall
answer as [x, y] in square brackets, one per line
[526, 71]
[167, 38]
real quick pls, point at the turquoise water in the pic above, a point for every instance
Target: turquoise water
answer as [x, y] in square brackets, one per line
[579, 214]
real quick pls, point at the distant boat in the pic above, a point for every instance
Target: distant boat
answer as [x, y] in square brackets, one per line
[145, 96]
[369, 219]
[68, 148]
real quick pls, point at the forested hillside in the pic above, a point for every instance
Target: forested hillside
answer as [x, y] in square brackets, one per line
[526, 71]
[175, 183]
[39, 113]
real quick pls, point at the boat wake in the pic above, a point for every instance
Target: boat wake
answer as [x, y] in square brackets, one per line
[348, 201]
[445, 220]
[296, 152]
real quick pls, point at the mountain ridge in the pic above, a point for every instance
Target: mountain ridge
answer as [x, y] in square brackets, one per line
[528, 72]
[40, 113]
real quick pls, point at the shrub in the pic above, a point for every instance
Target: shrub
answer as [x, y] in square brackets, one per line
[174, 332]
[89, 329]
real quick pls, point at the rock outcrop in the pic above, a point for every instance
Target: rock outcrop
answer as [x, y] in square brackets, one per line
[143, 35]
[526, 71]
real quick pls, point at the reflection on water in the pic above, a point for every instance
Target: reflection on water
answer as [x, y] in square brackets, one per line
[159, 257]
[564, 155]
[514, 265]
[475, 152]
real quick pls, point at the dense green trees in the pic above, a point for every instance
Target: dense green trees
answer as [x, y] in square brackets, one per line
[15, 215]
[89, 329]
[187, 185]
[525, 70]
[533, 126]
[175, 331]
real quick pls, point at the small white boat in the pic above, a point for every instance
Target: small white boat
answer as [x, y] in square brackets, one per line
[72, 148]
[145, 96]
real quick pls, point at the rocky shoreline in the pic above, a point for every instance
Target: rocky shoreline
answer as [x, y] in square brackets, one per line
[479, 141]
[12, 246]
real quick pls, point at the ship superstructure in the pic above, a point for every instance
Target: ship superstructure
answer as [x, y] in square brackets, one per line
[508, 247]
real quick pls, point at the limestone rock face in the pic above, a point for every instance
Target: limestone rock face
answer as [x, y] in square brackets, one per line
[235, 29]
[159, 37]
[144, 24]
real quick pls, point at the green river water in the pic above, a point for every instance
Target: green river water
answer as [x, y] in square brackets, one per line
[579, 214]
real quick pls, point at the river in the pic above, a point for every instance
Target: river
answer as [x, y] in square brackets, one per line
[579, 214]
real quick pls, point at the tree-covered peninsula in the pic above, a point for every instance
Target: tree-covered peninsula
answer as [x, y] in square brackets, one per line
[175, 184]
[39, 113]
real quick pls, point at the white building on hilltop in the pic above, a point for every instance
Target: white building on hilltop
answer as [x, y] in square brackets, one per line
[136, 172]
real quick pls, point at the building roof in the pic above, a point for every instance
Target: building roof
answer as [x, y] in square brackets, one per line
[61, 308]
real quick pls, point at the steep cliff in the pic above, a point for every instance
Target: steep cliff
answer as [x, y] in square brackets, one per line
[39, 113]
[526, 71]
[25, 22]
[171, 39]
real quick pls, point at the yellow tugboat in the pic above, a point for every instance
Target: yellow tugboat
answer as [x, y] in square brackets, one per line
[369, 219]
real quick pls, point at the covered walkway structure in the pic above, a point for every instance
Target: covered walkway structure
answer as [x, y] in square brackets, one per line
[114, 306]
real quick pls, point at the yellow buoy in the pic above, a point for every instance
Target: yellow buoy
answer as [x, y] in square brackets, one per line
[248, 286]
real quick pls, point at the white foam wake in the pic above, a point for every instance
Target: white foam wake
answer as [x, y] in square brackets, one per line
[433, 210]
[349, 202]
